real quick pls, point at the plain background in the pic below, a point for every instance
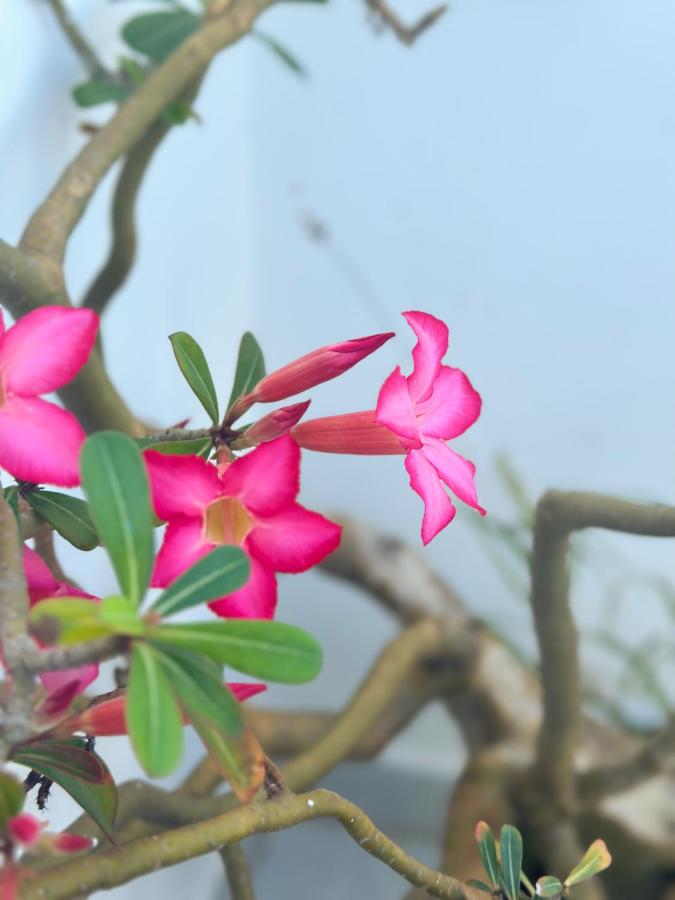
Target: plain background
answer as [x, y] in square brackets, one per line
[512, 173]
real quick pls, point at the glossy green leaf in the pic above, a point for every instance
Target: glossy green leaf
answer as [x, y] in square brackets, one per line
[487, 847]
[192, 362]
[199, 687]
[596, 859]
[93, 93]
[67, 620]
[67, 515]
[197, 447]
[272, 651]
[549, 886]
[156, 35]
[250, 367]
[120, 616]
[81, 773]
[116, 483]
[511, 845]
[221, 572]
[153, 716]
[479, 885]
[11, 798]
[282, 54]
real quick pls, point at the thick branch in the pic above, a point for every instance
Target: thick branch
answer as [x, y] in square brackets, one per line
[50, 226]
[237, 872]
[110, 868]
[77, 40]
[558, 514]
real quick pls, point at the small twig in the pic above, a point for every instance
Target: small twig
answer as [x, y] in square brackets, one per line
[77, 40]
[407, 34]
[111, 868]
[179, 434]
[237, 872]
[53, 659]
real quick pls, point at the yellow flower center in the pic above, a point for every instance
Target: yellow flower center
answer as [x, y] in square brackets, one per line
[226, 521]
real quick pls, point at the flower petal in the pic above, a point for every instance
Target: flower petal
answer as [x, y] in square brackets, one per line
[431, 347]
[40, 442]
[25, 828]
[293, 540]
[46, 349]
[257, 599]
[181, 485]
[267, 479]
[453, 406]
[183, 545]
[242, 690]
[456, 472]
[424, 480]
[41, 583]
[69, 681]
[395, 409]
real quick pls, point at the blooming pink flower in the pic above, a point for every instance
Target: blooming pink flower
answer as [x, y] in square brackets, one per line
[40, 442]
[308, 371]
[107, 718]
[63, 685]
[415, 415]
[249, 502]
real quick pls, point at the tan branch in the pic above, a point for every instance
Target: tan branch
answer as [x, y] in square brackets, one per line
[237, 872]
[111, 868]
[77, 40]
[407, 34]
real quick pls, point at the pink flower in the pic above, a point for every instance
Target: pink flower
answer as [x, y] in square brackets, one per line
[26, 831]
[415, 415]
[273, 425]
[63, 685]
[107, 718]
[250, 503]
[40, 442]
[308, 371]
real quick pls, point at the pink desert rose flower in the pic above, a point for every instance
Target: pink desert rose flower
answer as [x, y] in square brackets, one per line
[309, 370]
[415, 415]
[40, 442]
[63, 685]
[250, 503]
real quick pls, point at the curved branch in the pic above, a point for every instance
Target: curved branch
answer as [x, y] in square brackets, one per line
[77, 40]
[237, 872]
[110, 868]
[50, 226]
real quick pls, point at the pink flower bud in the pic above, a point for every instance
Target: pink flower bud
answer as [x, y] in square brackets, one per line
[309, 370]
[273, 425]
[350, 433]
[71, 843]
[24, 829]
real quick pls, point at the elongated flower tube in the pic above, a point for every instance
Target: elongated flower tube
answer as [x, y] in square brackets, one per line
[308, 371]
[40, 442]
[248, 503]
[107, 718]
[415, 416]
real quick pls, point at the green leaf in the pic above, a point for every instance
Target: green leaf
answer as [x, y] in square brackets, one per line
[67, 515]
[12, 498]
[199, 687]
[219, 573]
[240, 759]
[118, 614]
[250, 367]
[153, 716]
[158, 34]
[116, 483]
[81, 773]
[284, 55]
[511, 844]
[196, 447]
[67, 620]
[11, 798]
[177, 113]
[479, 885]
[596, 859]
[549, 886]
[487, 848]
[192, 362]
[93, 93]
[272, 651]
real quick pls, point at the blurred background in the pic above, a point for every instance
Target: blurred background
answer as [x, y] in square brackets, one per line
[511, 173]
